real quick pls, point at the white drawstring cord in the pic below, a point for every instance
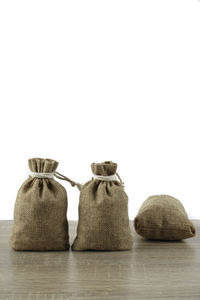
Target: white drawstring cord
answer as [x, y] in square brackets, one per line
[41, 175]
[106, 178]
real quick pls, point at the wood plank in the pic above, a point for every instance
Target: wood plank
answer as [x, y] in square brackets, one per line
[151, 270]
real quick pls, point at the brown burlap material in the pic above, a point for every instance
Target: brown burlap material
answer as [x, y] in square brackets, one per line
[40, 221]
[163, 217]
[103, 213]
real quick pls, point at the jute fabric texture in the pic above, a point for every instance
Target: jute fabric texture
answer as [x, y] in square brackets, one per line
[40, 221]
[103, 213]
[162, 217]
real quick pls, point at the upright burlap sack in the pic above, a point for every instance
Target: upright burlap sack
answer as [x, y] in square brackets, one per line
[163, 217]
[40, 221]
[103, 212]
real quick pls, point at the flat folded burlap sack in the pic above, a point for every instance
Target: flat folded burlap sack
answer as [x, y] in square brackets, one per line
[103, 212]
[40, 221]
[163, 217]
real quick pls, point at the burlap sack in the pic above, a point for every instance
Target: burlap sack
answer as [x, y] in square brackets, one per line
[40, 221]
[163, 217]
[103, 213]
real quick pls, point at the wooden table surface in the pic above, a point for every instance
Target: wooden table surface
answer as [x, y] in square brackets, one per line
[151, 270]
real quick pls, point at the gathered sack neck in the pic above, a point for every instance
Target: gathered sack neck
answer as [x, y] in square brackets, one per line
[106, 171]
[57, 175]
[46, 168]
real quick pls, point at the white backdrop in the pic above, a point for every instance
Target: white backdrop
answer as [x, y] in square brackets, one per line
[88, 81]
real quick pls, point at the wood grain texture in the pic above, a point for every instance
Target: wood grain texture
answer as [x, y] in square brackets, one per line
[151, 270]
